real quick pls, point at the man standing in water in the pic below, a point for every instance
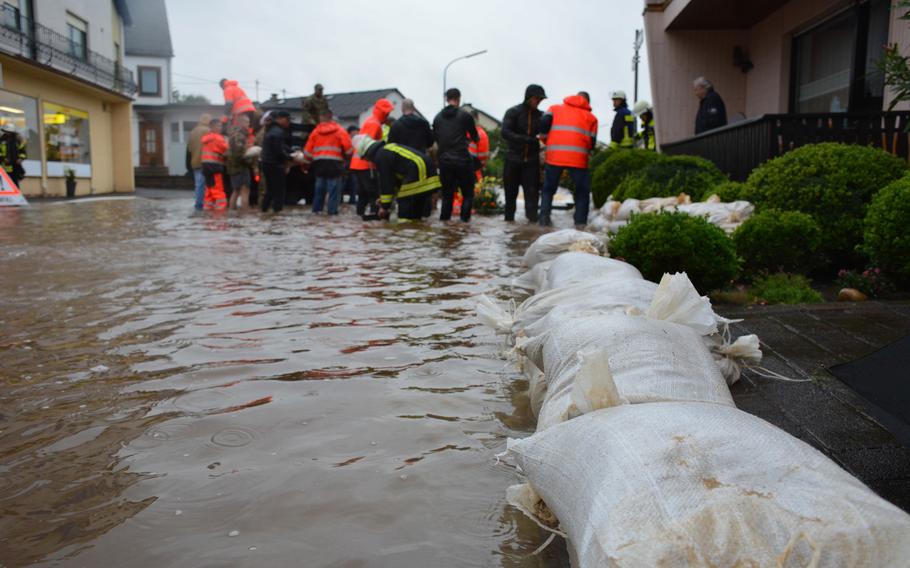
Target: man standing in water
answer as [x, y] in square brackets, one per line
[275, 160]
[453, 128]
[520, 128]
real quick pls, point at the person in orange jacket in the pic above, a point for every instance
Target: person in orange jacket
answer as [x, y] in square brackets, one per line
[570, 133]
[214, 151]
[364, 172]
[327, 147]
[236, 102]
[480, 150]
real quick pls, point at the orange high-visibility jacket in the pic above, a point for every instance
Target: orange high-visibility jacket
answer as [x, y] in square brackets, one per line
[570, 140]
[328, 141]
[480, 150]
[214, 148]
[372, 127]
[237, 97]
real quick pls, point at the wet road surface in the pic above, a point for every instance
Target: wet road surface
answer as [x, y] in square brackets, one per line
[180, 390]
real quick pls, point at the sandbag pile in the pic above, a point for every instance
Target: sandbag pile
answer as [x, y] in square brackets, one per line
[728, 216]
[641, 457]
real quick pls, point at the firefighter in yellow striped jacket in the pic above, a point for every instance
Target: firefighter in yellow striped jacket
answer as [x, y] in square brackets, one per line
[622, 133]
[406, 176]
[646, 139]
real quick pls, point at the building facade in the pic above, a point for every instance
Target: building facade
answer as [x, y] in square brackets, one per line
[769, 57]
[64, 86]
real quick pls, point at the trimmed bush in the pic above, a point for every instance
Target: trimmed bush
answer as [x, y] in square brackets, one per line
[613, 167]
[785, 289]
[887, 231]
[728, 191]
[833, 183]
[671, 176]
[676, 242]
[779, 241]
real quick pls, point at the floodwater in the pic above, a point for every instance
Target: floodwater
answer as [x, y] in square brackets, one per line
[180, 390]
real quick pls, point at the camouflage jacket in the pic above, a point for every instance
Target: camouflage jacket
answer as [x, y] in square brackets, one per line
[312, 106]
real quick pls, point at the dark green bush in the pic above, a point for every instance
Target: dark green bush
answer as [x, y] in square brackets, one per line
[833, 183]
[676, 242]
[671, 176]
[784, 241]
[613, 167]
[887, 231]
[784, 289]
[728, 191]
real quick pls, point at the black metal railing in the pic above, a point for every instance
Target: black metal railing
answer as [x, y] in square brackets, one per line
[738, 148]
[24, 37]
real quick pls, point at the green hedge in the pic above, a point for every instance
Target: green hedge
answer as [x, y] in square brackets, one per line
[613, 166]
[676, 242]
[671, 176]
[728, 191]
[832, 182]
[784, 241]
[785, 289]
[886, 236]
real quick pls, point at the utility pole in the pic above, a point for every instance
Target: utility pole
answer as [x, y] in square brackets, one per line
[257, 89]
[283, 95]
[639, 38]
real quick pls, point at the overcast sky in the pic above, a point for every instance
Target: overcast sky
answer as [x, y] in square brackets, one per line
[354, 45]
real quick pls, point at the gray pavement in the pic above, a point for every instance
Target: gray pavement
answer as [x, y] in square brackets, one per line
[801, 342]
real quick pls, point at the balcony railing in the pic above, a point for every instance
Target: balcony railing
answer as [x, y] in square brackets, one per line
[26, 38]
[738, 148]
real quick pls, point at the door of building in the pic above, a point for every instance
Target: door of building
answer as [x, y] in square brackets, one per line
[150, 144]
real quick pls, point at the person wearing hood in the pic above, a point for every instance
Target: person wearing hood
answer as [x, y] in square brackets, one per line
[570, 133]
[12, 152]
[327, 147]
[236, 102]
[520, 128]
[411, 130]
[405, 175]
[214, 155]
[622, 133]
[363, 171]
[453, 129]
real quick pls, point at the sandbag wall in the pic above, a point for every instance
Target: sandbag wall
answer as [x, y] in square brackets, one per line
[640, 457]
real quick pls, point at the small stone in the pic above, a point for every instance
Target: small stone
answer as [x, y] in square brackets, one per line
[372, 443]
[252, 548]
[234, 533]
[851, 295]
[178, 512]
[100, 369]
[403, 477]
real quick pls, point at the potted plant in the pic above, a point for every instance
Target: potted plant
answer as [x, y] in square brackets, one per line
[70, 175]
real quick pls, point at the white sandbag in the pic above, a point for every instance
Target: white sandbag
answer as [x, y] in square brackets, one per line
[628, 208]
[610, 209]
[650, 361]
[732, 357]
[690, 484]
[614, 226]
[598, 222]
[534, 279]
[493, 315]
[677, 300]
[657, 204]
[577, 267]
[548, 246]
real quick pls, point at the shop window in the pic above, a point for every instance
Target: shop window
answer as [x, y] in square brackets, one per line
[77, 29]
[22, 111]
[66, 138]
[149, 81]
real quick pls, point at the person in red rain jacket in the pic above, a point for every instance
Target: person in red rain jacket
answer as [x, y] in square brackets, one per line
[214, 152]
[364, 172]
[236, 102]
[326, 149]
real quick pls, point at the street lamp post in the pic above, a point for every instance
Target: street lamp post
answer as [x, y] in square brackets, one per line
[446, 70]
[639, 39]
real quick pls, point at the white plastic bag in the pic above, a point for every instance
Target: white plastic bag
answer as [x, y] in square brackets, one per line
[691, 484]
[548, 246]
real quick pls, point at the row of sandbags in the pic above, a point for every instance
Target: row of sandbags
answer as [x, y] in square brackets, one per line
[728, 216]
[640, 456]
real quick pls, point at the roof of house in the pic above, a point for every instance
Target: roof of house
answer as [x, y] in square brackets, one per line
[149, 33]
[469, 106]
[343, 105]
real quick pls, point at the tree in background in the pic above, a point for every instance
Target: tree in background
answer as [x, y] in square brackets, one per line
[896, 66]
[190, 99]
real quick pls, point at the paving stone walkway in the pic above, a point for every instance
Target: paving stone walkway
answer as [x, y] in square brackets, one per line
[802, 342]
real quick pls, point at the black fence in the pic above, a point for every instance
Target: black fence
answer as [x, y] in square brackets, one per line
[26, 38]
[738, 148]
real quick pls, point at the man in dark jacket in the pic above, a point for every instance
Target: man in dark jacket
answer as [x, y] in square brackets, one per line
[411, 129]
[711, 110]
[622, 132]
[520, 127]
[452, 127]
[275, 159]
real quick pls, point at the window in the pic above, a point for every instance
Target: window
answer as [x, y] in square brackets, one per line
[77, 29]
[23, 112]
[151, 141]
[10, 16]
[175, 132]
[66, 139]
[149, 81]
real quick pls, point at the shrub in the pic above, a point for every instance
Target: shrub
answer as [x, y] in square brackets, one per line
[728, 191]
[870, 282]
[832, 182]
[785, 241]
[785, 289]
[676, 242]
[613, 167]
[671, 176]
[886, 238]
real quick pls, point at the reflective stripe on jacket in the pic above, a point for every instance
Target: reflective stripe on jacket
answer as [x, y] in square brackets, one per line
[420, 179]
[648, 141]
[328, 141]
[214, 148]
[5, 149]
[571, 136]
[237, 97]
[622, 134]
[372, 127]
[480, 150]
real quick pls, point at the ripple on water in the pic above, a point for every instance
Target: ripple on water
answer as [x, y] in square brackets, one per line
[162, 433]
[234, 437]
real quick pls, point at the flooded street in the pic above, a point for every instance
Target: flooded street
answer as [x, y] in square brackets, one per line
[180, 390]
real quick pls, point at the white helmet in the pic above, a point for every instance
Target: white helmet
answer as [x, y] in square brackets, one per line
[641, 107]
[618, 95]
[362, 143]
[8, 127]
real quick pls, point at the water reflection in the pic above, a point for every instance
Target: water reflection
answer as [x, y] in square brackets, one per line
[316, 388]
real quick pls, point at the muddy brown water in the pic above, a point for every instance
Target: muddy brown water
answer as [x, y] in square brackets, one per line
[180, 390]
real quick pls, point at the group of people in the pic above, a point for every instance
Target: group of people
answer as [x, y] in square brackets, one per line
[408, 164]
